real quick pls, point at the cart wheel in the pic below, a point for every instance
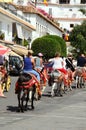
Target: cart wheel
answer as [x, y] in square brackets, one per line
[3, 87]
[8, 83]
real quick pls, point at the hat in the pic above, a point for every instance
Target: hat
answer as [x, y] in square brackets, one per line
[30, 51]
[40, 54]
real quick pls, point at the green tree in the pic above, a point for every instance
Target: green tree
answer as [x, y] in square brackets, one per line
[49, 45]
[78, 37]
[83, 11]
[61, 43]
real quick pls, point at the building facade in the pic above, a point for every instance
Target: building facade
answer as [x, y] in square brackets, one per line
[26, 21]
[12, 25]
[66, 12]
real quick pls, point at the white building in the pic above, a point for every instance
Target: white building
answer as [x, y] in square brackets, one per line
[65, 12]
[8, 18]
[26, 21]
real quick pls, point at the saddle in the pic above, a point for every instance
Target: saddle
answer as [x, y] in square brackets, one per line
[25, 81]
[57, 76]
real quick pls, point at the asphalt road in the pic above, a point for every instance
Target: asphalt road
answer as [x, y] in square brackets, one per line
[58, 113]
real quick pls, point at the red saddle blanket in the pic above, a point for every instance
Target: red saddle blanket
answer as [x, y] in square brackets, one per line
[84, 75]
[27, 84]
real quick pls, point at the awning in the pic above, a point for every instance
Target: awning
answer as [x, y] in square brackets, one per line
[4, 50]
[19, 50]
[12, 53]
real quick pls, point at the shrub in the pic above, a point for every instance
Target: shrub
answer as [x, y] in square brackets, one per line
[49, 45]
[60, 41]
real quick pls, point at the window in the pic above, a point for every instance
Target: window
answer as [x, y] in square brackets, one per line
[50, 11]
[8, 29]
[20, 2]
[83, 1]
[64, 1]
[71, 25]
[70, 9]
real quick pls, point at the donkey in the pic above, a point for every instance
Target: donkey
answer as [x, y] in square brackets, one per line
[25, 89]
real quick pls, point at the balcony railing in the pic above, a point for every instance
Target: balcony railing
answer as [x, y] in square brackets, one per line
[6, 7]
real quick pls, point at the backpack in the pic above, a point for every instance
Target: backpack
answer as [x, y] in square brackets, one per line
[70, 65]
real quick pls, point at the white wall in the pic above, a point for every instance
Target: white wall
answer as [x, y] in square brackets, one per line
[24, 2]
[6, 28]
[75, 1]
[42, 27]
[71, 1]
[66, 24]
[65, 11]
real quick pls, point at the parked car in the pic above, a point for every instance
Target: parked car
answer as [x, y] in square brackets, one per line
[15, 65]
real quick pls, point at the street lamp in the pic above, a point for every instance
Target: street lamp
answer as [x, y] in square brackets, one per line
[29, 40]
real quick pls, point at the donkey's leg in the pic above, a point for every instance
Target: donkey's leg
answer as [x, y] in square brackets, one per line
[27, 99]
[77, 81]
[81, 82]
[19, 101]
[60, 89]
[22, 100]
[52, 91]
[32, 101]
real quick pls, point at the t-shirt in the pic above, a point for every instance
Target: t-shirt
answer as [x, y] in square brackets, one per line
[81, 61]
[27, 64]
[57, 63]
[37, 63]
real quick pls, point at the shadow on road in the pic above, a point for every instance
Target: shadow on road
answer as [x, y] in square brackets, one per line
[12, 108]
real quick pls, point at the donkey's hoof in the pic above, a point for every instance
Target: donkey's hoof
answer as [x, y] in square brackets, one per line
[39, 97]
[22, 110]
[18, 110]
[33, 107]
[61, 95]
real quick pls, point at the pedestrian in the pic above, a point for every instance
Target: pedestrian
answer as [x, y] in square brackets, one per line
[6, 63]
[2, 70]
[1, 91]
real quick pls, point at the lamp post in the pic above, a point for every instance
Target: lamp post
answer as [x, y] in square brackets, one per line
[29, 40]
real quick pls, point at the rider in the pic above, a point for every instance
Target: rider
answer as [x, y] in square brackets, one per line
[40, 67]
[81, 60]
[29, 65]
[39, 61]
[69, 62]
[58, 63]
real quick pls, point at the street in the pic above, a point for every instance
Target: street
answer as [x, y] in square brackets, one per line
[57, 113]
